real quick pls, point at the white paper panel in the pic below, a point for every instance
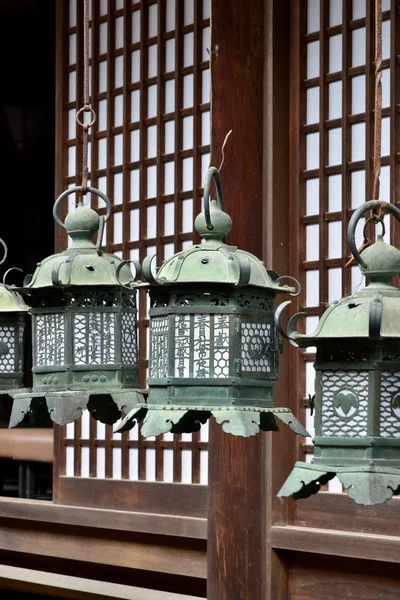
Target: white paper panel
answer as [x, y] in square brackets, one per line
[385, 39]
[71, 161]
[134, 433]
[152, 141]
[119, 32]
[169, 250]
[357, 188]
[335, 53]
[188, 49]
[150, 464]
[169, 139]
[135, 145]
[71, 124]
[206, 44]
[359, 9]
[169, 55]
[170, 96]
[335, 239]
[151, 222]
[103, 76]
[135, 66]
[72, 13]
[85, 425]
[118, 228]
[335, 146]
[335, 12]
[334, 486]
[117, 195]
[152, 61]
[136, 26]
[70, 431]
[385, 87]
[85, 461]
[151, 181]
[69, 461]
[312, 102]
[385, 188]
[170, 15]
[100, 431]
[312, 60]
[186, 466]
[335, 100]
[187, 174]
[118, 139]
[358, 47]
[205, 128]
[103, 7]
[205, 86]
[72, 49]
[188, 12]
[72, 86]
[119, 4]
[203, 466]
[334, 193]
[312, 196]
[169, 216]
[334, 284]
[169, 178]
[358, 94]
[119, 72]
[102, 115]
[313, 15]
[187, 133]
[168, 466]
[135, 106]
[118, 110]
[187, 91]
[187, 222]
[358, 141]
[117, 464]
[312, 287]
[152, 101]
[134, 235]
[204, 432]
[205, 163]
[133, 464]
[153, 20]
[312, 149]
[385, 147]
[103, 38]
[312, 242]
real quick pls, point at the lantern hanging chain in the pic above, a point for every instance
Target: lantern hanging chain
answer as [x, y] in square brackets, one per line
[86, 98]
[223, 150]
[376, 218]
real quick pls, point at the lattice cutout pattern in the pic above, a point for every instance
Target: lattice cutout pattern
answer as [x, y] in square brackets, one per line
[7, 349]
[256, 353]
[49, 340]
[390, 405]
[335, 422]
[148, 150]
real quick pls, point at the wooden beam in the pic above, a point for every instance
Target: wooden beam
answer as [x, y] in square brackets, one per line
[370, 546]
[236, 502]
[116, 520]
[56, 585]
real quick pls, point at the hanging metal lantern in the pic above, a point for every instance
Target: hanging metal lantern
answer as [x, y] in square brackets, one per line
[84, 325]
[13, 320]
[213, 343]
[357, 392]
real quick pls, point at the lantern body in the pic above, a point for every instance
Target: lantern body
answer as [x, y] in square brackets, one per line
[212, 346]
[357, 391]
[84, 327]
[13, 320]
[213, 343]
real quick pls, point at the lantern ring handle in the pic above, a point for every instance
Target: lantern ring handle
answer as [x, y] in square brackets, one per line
[86, 109]
[8, 287]
[138, 270]
[73, 190]
[370, 205]
[297, 292]
[3, 260]
[212, 173]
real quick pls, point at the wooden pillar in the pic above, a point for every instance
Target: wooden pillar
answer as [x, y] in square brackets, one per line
[236, 527]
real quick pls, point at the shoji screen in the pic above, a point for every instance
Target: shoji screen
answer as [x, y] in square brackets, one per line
[335, 141]
[149, 148]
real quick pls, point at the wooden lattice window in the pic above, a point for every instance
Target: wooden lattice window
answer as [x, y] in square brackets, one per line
[148, 150]
[335, 92]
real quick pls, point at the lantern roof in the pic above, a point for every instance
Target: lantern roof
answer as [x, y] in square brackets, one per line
[11, 301]
[213, 261]
[371, 313]
[83, 263]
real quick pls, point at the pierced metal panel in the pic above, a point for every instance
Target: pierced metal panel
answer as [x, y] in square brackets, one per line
[344, 413]
[7, 349]
[91, 348]
[390, 405]
[257, 356]
[49, 340]
[159, 347]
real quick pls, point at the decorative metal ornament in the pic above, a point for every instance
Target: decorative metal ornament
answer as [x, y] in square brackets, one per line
[357, 397]
[13, 320]
[84, 326]
[213, 343]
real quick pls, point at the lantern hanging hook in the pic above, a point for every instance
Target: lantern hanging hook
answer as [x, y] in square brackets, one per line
[8, 287]
[135, 276]
[3, 260]
[370, 205]
[212, 173]
[288, 334]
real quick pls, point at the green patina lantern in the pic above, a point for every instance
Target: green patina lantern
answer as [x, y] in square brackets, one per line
[83, 305]
[13, 320]
[213, 344]
[357, 397]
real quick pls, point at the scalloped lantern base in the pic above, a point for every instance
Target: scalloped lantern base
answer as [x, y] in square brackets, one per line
[187, 419]
[365, 485]
[67, 406]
